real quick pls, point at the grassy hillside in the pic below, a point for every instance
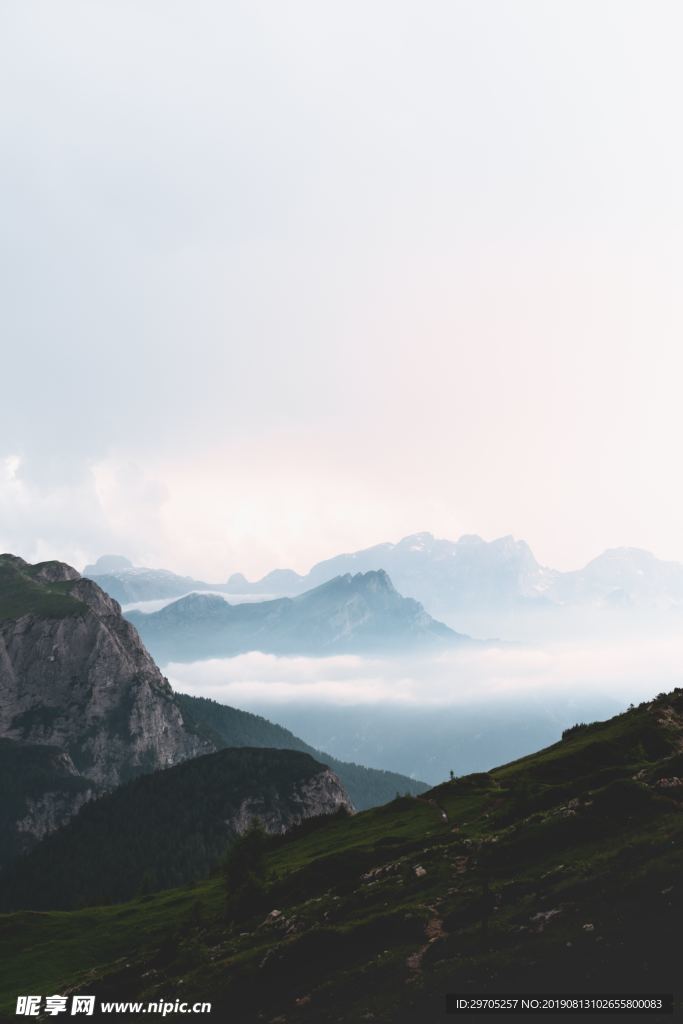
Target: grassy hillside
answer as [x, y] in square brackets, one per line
[21, 592]
[367, 787]
[559, 871]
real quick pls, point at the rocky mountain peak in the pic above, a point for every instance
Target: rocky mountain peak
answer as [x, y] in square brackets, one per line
[376, 580]
[194, 607]
[95, 598]
[470, 540]
[14, 560]
[108, 563]
[54, 572]
[238, 579]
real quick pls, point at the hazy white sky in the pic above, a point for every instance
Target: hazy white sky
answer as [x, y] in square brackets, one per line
[278, 280]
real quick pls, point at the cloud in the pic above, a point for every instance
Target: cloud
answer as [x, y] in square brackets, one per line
[43, 518]
[74, 511]
[627, 671]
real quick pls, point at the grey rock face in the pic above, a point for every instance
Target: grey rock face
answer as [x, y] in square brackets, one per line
[40, 791]
[55, 572]
[82, 681]
[50, 811]
[323, 793]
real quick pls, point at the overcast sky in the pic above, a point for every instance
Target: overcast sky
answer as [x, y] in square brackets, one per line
[283, 279]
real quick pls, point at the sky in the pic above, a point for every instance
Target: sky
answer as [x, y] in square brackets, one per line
[283, 280]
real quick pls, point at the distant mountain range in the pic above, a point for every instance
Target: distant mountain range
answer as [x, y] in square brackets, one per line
[128, 583]
[359, 614]
[445, 576]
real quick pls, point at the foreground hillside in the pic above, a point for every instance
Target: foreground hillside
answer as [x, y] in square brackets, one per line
[559, 871]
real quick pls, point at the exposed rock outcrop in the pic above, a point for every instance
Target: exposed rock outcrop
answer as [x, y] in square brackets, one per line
[321, 794]
[75, 675]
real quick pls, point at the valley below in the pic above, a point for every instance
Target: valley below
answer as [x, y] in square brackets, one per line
[425, 715]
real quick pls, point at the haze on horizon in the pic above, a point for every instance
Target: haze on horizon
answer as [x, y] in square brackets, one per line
[280, 281]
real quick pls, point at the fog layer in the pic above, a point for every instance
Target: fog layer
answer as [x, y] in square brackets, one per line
[464, 711]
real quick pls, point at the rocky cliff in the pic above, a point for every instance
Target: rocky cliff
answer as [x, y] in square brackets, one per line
[319, 794]
[75, 676]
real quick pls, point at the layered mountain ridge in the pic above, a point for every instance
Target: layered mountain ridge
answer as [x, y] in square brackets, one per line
[444, 575]
[354, 613]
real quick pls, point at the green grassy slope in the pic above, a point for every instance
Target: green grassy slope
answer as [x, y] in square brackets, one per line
[559, 871]
[21, 592]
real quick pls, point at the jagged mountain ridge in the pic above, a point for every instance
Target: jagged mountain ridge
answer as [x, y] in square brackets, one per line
[623, 578]
[446, 575]
[360, 614]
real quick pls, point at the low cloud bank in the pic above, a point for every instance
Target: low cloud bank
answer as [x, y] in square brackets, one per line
[627, 671]
[464, 711]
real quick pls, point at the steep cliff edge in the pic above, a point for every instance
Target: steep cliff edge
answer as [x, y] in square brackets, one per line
[75, 676]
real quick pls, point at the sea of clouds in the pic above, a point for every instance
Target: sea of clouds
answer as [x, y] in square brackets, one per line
[627, 671]
[467, 710]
